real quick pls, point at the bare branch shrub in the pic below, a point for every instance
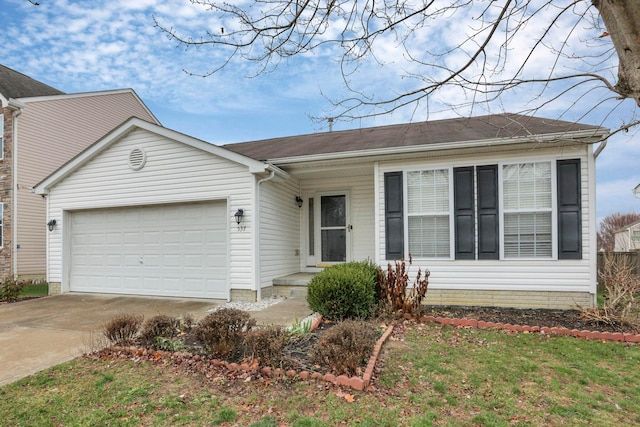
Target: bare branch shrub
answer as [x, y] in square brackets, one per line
[123, 329]
[162, 325]
[221, 333]
[622, 299]
[394, 290]
[266, 344]
[345, 347]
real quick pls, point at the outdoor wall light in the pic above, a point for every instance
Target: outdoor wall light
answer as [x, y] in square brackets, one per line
[299, 201]
[239, 214]
[51, 224]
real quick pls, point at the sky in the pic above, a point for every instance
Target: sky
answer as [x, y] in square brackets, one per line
[89, 45]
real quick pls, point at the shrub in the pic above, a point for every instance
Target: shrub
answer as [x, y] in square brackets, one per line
[221, 332]
[266, 344]
[345, 347]
[159, 326]
[392, 288]
[168, 344]
[10, 289]
[344, 291]
[123, 329]
[621, 301]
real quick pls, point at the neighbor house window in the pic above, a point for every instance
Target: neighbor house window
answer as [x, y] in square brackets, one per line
[527, 204]
[428, 213]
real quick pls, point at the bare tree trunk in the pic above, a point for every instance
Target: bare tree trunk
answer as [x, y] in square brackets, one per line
[622, 19]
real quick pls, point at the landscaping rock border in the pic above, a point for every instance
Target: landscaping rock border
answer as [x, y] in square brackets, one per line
[210, 367]
[584, 334]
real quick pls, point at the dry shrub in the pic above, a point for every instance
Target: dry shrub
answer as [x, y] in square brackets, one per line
[266, 344]
[345, 347]
[221, 333]
[159, 326]
[123, 328]
[621, 305]
[394, 291]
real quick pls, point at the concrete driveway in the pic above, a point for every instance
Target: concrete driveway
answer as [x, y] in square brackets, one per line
[40, 333]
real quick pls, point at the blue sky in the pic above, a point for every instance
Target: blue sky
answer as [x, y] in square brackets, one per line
[79, 46]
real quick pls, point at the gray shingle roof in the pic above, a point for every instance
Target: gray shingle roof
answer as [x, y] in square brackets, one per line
[14, 84]
[406, 135]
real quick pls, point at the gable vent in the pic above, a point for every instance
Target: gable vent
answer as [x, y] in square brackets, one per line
[137, 159]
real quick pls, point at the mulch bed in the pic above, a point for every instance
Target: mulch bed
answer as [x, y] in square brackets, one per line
[570, 319]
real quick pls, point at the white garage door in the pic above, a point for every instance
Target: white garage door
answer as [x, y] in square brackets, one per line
[168, 250]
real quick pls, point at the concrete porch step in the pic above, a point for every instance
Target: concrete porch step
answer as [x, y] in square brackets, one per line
[292, 285]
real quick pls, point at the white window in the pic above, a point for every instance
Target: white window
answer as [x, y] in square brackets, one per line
[428, 213]
[527, 209]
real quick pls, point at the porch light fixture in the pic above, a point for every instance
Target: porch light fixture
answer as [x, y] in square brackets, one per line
[51, 224]
[299, 201]
[239, 214]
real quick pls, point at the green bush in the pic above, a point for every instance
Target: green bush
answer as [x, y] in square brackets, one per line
[345, 347]
[344, 291]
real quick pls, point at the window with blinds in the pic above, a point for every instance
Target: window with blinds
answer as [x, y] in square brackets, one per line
[428, 213]
[527, 204]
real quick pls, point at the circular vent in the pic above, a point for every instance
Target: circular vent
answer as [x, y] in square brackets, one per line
[137, 159]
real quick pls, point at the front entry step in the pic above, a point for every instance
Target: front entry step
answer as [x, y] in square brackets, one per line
[292, 285]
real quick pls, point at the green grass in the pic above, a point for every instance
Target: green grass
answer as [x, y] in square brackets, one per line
[436, 376]
[38, 290]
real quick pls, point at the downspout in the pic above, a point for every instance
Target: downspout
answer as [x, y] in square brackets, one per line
[601, 147]
[17, 108]
[256, 249]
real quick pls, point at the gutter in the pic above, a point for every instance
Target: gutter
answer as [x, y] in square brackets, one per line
[256, 228]
[17, 107]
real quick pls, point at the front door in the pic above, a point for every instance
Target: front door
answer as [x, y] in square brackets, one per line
[328, 229]
[333, 228]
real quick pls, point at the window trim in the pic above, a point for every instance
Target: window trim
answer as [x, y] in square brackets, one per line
[450, 213]
[553, 210]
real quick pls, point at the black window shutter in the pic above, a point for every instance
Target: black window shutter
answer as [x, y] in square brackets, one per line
[569, 209]
[488, 219]
[394, 215]
[464, 216]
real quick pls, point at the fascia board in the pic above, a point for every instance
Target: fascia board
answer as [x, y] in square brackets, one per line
[591, 136]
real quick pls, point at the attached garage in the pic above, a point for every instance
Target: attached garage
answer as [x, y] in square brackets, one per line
[178, 250]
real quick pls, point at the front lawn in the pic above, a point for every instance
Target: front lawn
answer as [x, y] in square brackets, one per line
[431, 375]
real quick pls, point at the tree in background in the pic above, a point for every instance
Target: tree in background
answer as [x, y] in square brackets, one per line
[612, 223]
[455, 55]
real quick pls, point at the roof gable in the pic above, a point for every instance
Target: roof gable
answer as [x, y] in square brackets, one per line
[14, 84]
[129, 126]
[412, 135]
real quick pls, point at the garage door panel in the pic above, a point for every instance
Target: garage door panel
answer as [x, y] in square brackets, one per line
[169, 250]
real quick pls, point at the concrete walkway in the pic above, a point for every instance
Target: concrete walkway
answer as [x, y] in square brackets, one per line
[44, 332]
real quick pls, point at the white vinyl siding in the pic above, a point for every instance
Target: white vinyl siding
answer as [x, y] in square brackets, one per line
[527, 208]
[429, 213]
[51, 131]
[279, 250]
[174, 173]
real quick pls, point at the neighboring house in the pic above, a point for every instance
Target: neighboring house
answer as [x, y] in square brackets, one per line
[627, 239]
[500, 209]
[42, 129]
